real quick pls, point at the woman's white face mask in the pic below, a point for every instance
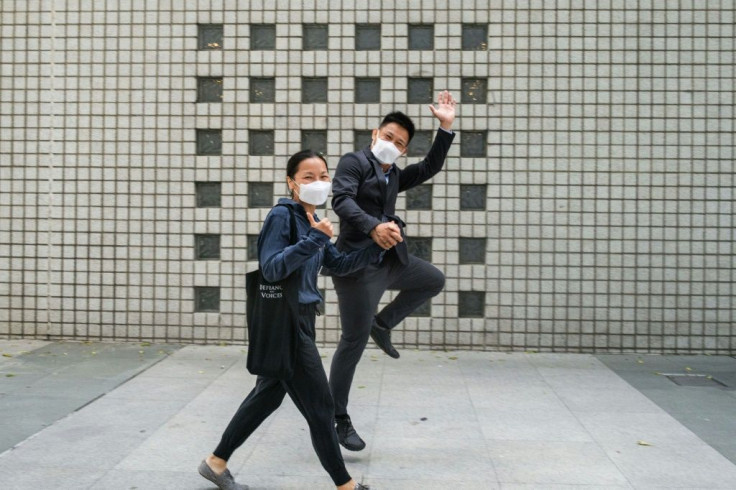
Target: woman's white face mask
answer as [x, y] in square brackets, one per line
[315, 193]
[385, 151]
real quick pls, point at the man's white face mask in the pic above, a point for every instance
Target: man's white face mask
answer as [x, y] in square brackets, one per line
[315, 193]
[385, 151]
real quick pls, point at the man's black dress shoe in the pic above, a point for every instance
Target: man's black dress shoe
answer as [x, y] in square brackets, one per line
[382, 337]
[349, 439]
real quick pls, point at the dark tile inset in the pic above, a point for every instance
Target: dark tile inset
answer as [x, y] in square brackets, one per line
[209, 194]
[314, 89]
[420, 247]
[262, 89]
[209, 89]
[471, 304]
[473, 144]
[695, 380]
[421, 143]
[419, 90]
[475, 91]
[260, 194]
[472, 250]
[475, 37]
[260, 142]
[419, 197]
[314, 139]
[209, 36]
[472, 197]
[424, 310]
[314, 37]
[206, 299]
[367, 37]
[206, 247]
[421, 37]
[251, 244]
[362, 138]
[262, 36]
[209, 142]
[367, 90]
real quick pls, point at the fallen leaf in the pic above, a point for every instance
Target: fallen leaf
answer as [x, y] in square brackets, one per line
[7, 355]
[688, 368]
[145, 344]
[10, 375]
[453, 358]
[643, 443]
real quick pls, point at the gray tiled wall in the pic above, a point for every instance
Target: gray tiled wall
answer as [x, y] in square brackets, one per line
[587, 204]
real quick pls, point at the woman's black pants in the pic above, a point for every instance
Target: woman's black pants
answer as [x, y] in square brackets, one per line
[311, 394]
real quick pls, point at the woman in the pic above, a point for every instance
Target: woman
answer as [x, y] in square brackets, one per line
[309, 183]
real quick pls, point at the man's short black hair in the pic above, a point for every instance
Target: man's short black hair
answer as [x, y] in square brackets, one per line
[402, 120]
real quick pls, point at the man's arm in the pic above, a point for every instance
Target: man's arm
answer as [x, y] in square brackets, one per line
[413, 175]
[345, 186]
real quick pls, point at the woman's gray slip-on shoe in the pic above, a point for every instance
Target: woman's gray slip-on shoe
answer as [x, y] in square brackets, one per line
[225, 481]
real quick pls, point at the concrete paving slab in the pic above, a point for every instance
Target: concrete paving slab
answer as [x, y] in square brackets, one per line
[708, 411]
[491, 420]
[543, 463]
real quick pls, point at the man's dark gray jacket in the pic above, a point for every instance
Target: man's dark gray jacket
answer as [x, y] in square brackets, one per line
[362, 199]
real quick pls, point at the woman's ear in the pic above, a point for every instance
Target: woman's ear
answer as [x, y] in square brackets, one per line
[289, 186]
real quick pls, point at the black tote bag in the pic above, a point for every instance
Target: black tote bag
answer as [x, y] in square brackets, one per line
[272, 314]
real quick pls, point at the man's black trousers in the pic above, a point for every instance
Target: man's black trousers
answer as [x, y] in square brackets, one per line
[358, 295]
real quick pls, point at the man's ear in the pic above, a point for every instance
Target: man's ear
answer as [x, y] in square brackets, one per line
[374, 135]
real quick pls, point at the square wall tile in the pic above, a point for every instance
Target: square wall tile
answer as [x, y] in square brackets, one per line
[207, 247]
[260, 142]
[260, 194]
[314, 89]
[475, 37]
[473, 197]
[209, 142]
[262, 37]
[367, 37]
[209, 89]
[262, 89]
[362, 138]
[314, 37]
[210, 36]
[314, 139]
[209, 194]
[421, 143]
[206, 299]
[471, 304]
[421, 37]
[473, 143]
[472, 250]
[475, 91]
[420, 247]
[419, 197]
[251, 243]
[419, 90]
[367, 90]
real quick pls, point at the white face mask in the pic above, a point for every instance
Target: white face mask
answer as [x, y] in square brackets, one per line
[385, 151]
[315, 192]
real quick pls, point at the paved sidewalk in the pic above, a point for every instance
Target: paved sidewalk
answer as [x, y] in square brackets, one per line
[432, 420]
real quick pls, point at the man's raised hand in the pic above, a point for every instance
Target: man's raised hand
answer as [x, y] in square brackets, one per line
[445, 110]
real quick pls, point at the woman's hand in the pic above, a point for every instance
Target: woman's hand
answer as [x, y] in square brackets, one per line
[324, 225]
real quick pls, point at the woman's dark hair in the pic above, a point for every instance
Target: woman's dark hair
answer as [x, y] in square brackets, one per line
[293, 165]
[402, 120]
